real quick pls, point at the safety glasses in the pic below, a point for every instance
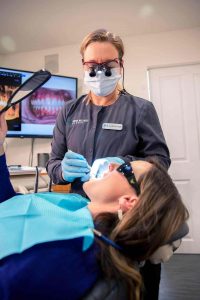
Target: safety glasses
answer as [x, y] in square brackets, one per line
[110, 64]
[127, 171]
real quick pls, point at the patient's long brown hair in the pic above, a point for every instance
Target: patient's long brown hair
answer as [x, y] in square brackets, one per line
[158, 214]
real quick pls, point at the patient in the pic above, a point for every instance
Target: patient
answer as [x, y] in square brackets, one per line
[48, 250]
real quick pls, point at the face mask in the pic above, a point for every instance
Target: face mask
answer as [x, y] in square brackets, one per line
[102, 85]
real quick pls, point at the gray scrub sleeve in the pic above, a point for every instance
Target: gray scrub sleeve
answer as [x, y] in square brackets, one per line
[151, 139]
[58, 150]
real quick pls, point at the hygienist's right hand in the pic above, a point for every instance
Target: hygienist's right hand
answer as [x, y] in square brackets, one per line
[75, 166]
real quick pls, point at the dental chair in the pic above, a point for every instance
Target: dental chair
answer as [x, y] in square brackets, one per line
[105, 289]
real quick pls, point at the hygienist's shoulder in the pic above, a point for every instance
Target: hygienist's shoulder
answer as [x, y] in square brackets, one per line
[136, 101]
[73, 102]
[68, 106]
[69, 103]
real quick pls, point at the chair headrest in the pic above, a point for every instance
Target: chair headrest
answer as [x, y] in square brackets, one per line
[179, 234]
[164, 252]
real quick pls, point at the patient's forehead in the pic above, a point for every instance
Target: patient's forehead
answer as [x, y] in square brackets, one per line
[141, 164]
[140, 167]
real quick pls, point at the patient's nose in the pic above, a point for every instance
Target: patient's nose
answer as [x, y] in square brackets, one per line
[111, 168]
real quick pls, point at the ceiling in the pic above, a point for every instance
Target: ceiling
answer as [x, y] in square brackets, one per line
[27, 25]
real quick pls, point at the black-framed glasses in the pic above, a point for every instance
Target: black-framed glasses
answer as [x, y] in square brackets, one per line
[127, 171]
[110, 64]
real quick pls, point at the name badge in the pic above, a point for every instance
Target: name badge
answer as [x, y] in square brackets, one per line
[112, 126]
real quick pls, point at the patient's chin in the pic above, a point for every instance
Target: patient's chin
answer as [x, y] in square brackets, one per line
[85, 186]
[89, 186]
[86, 183]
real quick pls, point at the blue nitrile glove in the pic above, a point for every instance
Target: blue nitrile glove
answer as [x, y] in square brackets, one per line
[74, 166]
[100, 166]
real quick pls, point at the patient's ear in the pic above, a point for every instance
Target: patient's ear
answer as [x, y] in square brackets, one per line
[127, 202]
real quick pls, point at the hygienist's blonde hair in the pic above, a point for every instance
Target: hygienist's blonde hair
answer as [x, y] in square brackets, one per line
[102, 35]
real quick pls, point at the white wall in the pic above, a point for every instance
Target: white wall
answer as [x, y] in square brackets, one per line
[1, 59]
[167, 48]
[141, 52]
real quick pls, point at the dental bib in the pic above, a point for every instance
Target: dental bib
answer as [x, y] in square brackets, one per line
[27, 220]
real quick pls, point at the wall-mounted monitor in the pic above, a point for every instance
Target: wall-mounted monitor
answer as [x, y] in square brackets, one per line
[36, 115]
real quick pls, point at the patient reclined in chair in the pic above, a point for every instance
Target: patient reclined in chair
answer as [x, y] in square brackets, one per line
[47, 246]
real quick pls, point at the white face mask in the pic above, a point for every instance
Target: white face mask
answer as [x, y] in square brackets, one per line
[102, 85]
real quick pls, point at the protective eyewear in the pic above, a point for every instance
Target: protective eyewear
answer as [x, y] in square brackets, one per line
[106, 67]
[127, 171]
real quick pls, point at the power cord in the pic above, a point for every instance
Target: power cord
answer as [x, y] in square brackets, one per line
[31, 152]
[36, 180]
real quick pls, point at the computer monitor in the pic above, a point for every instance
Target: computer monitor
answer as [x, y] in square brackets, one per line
[36, 115]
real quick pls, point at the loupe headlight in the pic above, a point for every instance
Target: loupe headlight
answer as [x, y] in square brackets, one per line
[108, 72]
[92, 73]
[103, 68]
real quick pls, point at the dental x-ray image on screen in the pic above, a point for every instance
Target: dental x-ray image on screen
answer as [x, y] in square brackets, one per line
[9, 82]
[36, 115]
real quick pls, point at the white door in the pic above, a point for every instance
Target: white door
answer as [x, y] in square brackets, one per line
[175, 92]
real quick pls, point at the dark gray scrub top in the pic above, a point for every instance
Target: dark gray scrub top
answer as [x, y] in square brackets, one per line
[83, 128]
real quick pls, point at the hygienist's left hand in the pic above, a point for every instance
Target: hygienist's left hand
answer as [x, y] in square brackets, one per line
[100, 166]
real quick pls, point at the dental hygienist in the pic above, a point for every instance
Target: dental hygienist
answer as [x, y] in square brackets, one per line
[106, 123]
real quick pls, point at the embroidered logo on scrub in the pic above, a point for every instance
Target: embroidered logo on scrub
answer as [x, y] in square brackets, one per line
[79, 121]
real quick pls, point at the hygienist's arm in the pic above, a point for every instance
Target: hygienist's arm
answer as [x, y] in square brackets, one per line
[6, 188]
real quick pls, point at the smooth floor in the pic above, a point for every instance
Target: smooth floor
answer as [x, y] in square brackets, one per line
[180, 278]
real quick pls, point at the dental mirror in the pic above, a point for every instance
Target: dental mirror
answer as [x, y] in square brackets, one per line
[26, 89]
